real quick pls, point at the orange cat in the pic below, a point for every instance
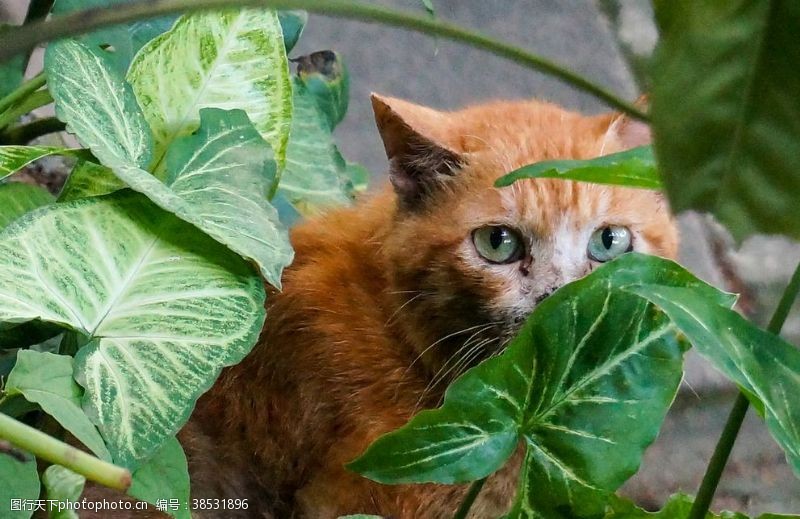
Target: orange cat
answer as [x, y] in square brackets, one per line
[389, 300]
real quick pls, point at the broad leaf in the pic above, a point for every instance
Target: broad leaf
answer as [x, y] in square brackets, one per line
[314, 174]
[725, 112]
[89, 179]
[292, 25]
[325, 77]
[163, 306]
[585, 385]
[122, 42]
[632, 168]
[18, 481]
[226, 59]
[164, 477]
[63, 486]
[46, 379]
[765, 365]
[17, 199]
[97, 105]
[14, 158]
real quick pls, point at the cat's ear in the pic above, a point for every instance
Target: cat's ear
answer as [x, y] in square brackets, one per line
[630, 132]
[420, 160]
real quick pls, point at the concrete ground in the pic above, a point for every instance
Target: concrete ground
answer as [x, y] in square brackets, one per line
[576, 33]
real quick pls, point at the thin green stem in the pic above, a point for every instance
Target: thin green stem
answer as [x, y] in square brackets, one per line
[23, 91]
[727, 439]
[25, 133]
[469, 499]
[55, 451]
[32, 102]
[20, 39]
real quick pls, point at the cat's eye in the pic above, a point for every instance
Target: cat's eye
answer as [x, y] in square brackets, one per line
[498, 244]
[609, 242]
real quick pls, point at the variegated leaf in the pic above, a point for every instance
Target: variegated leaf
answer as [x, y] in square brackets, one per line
[17, 199]
[224, 59]
[63, 486]
[14, 158]
[163, 306]
[89, 179]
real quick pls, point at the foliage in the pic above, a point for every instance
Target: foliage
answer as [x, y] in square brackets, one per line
[122, 299]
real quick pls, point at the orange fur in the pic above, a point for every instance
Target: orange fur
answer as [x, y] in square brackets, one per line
[381, 297]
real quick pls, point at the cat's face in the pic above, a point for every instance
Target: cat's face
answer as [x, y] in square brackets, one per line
[478, 259]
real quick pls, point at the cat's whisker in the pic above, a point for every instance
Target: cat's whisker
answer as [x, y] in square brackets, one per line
[400, 308]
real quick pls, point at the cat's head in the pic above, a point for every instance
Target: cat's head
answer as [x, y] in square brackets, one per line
[471, 261]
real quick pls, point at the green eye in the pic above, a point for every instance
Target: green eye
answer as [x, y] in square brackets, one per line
[609, 242]
[498, 244]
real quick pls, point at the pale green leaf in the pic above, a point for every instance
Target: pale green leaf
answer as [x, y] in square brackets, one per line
[725, 113]
[14, 158]
[225, 59]
[63, 486]
[631, 168]
[46, 379]
[97, 105]
[89, 179]
[18, 480]
[17, 199]
[164, 476]
[165, 308]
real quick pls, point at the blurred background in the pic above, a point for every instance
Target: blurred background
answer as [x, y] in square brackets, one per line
[607, 41]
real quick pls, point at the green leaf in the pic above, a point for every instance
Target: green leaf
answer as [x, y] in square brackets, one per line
[14, 158]
[314, 174]
[765, 365]
[124, 39]
[357, 176]
[163, 306]
[218, 180]
[97, 105]
[164, 476]
[292, 25]
[227, 59]
[725, 112]
[17, 199]
[46, 379]
[677, 507]
[585, 385]
[632, 168]
[18, 480]
[11, 71]
[325, 77]
[89, 179]
[63, 486]
[428, 4]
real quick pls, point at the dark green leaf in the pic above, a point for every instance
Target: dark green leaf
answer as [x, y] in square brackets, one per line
[11, 71]
[585, 385]
[18, 480]
[292, 25]
[762, 363]
[632, 168]
[164, 476]
[725, 111]
[326, 78]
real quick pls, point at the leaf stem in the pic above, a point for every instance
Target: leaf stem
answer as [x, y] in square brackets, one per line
[22, 91]
[55, 451]
[469, 499]
[722, 451]
[25, 133]
[20, 39]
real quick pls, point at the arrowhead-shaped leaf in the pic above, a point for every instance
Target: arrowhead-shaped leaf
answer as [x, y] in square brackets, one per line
[164, 308]
[46, 379]
[631, 168]
[227, 59]
[725, 112]
[585, 385]
[765, 365]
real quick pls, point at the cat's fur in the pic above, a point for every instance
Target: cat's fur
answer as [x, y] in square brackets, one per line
[382, 297]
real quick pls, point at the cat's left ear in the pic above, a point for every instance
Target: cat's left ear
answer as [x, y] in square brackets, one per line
[629, 132]
[415, 138]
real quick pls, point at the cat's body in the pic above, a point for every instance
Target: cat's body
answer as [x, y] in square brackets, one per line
[387, 301]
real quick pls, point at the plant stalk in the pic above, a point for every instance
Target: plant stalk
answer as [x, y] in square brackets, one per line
[730, 432]
[21, 39]
[23, 91]
[25, 133]
[55, 451]
[469, 499]
[32, 102]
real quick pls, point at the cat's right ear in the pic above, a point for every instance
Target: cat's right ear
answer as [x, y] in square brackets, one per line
[414, 137]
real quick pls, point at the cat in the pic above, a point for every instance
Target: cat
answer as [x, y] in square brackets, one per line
[389, 300]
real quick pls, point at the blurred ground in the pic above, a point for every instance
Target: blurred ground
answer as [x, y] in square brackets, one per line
[577, 34]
